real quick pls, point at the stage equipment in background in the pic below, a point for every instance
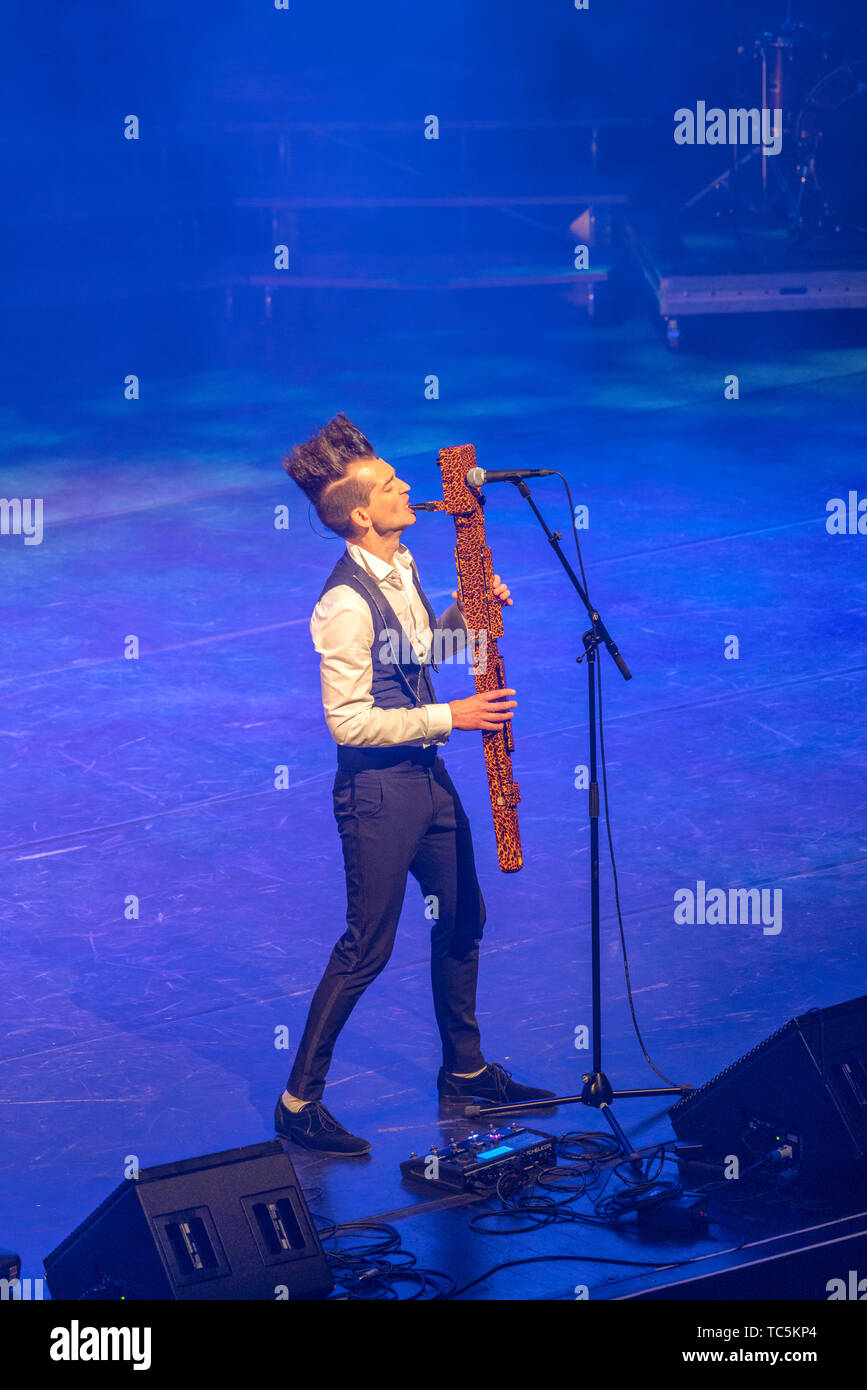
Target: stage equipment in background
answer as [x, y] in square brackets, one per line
[476, 1163]
[797, 1102]
[774, 74]
[818, 180]
[484, 620]
[832, 150]
[771, 233]
[230, 1225]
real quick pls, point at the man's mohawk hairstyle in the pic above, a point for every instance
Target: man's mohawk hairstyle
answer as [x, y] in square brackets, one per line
[319, 468]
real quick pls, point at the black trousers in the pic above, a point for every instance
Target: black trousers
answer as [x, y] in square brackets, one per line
[393, 821]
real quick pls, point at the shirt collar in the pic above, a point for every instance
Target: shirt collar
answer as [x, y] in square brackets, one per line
[380, 569]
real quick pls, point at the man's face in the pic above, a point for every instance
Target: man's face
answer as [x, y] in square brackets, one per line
[388, 509]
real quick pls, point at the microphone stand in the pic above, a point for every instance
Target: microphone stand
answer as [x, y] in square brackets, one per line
[597, 1089]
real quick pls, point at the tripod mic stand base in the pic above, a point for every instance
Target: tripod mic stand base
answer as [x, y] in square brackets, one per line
[598, 1092]
[522, 1107]
[597, 1089]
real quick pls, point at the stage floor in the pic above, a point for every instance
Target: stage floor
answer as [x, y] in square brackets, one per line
[155, 1038]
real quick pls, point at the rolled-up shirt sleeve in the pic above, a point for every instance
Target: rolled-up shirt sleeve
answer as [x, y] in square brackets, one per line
[342, 632]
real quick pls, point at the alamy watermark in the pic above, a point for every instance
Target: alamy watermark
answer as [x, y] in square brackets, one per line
[21, 1290]
[449, 644]
[852, 1287]
[77, 1343]
[719, 907]
[739, 125]
[22, 516]
[847, 516]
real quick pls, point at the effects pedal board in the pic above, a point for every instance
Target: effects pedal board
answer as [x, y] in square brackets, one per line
[476, 1163]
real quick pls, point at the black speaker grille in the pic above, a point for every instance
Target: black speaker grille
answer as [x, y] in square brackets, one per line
[686, 1102]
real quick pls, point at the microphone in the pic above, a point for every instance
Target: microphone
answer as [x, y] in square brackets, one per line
[477, 477]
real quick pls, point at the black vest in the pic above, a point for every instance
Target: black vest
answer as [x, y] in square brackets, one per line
[399, 679]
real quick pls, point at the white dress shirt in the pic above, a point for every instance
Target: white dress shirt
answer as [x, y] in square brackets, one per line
[343, 635]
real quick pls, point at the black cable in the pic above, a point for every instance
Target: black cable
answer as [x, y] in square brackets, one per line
[565, 483]
[369, 1263]
[528, 1195]
[602, 763]
[545, 1259]
[323, 535]
[367, 1270]
[599, 1145]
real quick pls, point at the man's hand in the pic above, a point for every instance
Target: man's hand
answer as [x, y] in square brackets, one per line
[499, 591]
[490, 710]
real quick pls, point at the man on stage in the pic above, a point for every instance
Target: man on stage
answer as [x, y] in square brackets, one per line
[396, 808]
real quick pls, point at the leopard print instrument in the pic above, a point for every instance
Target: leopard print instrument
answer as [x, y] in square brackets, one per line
[484, 619]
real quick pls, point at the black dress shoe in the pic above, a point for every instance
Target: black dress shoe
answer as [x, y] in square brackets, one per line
[314, 1127]
[495, 1085]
